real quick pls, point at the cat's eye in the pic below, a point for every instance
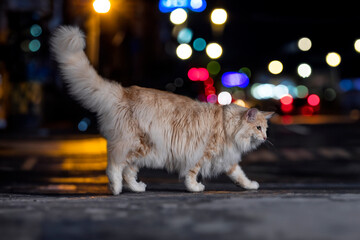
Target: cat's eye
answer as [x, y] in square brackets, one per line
[258, 128]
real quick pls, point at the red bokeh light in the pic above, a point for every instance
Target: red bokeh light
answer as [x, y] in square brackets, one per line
[210, 90]
[307, 111]
[203, 74]
[198, 74]
[209, 82]
[313, 100]
[286, 108]
[287, 100]
[193, 74]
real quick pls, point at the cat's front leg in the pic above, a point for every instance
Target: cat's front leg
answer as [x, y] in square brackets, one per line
[191, 183]
[237, 175]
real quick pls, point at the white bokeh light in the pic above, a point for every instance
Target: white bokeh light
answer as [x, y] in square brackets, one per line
[280, 91]
[275, 67]
[333, 59]
[219, 16]
[224, 98]
[178, 16]
[304, 44]
[184, 51]
[357, 45]
[304, 70]
[214, 50]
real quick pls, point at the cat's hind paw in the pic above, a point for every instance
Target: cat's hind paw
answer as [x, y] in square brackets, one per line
[137, 187]
[251, 185]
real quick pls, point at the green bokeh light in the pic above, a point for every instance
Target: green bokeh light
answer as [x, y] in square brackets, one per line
[246, 71]
[213, 67]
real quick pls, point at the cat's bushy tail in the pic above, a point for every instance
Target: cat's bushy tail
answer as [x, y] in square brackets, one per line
[94, 92]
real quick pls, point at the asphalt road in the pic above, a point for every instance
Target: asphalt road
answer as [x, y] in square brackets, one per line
[56, 188]
[263, 214]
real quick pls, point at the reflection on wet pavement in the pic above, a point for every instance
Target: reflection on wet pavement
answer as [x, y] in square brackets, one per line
[54, 166]
[53, 148]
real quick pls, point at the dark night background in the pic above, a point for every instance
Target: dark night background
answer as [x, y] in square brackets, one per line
[137, 47]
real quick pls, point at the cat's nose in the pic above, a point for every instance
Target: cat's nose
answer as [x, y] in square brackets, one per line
[265, 138]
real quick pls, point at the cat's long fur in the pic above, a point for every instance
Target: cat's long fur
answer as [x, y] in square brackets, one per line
[151, 128]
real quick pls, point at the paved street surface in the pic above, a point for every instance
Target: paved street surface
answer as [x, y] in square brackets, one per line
[266, 214]
[56, 188]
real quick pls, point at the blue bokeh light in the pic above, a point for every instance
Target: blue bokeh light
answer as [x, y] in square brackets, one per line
[35, 30]
[34, 45]
[84, 124]
[166, 6]
[357, 84]
[197, 5]
[346, 85]
[199, 44]
[235, 79]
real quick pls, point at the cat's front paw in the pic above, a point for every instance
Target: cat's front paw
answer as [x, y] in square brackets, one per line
[195, 187]
[251, 185]
[115, 188]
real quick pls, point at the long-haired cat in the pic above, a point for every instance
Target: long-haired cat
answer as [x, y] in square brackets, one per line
[155, 129]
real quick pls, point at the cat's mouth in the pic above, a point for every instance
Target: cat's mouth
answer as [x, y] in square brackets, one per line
[256, 141]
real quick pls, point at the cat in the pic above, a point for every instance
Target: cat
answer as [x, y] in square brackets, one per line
[156, 129]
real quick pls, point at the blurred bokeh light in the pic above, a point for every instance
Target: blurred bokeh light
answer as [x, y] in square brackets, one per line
[218, 16]
[185, 35]
[224, 98]
[275, 67]
[333, 59]
[304, 70]
[304, 44]
[184, 51]
[199, 44]
[214, 50]
[102, 6]
[178, 16]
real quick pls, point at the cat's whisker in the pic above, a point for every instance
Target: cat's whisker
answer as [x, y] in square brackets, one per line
[270, 145]
[268, 141]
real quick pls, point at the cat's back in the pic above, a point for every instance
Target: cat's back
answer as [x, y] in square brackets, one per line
[151, 106]
[150, 96]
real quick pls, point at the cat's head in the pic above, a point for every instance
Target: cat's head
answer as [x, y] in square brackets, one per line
[255, 123]
[248, 124]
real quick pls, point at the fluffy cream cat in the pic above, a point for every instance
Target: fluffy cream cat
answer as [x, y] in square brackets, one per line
[155, 129]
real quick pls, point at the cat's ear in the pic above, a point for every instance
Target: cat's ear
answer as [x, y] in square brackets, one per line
[250, 114]
[268, 115]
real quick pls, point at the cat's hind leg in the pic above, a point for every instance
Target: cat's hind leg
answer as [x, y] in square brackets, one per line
[116, 164]
[237, 175]
[130, 177]
[191, 183]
